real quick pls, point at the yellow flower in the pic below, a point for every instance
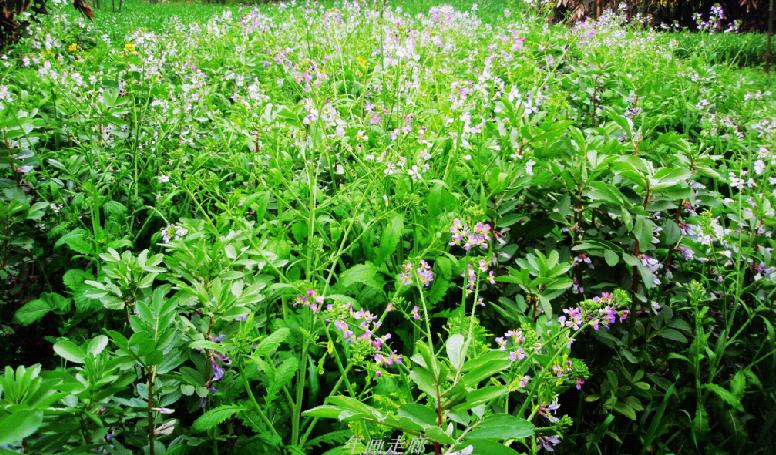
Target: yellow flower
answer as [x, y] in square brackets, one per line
[72, 47]
[129, 47]
[361, 61]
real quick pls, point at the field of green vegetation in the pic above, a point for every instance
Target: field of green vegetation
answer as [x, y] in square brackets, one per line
[403, 227]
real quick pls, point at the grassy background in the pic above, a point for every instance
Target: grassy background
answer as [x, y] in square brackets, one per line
[745, 49]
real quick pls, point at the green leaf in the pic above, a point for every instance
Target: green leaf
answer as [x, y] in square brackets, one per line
[76, 240]
[611, 258]
[454, 347]
[489, 447]
[500, 427]
[391, 235]
[18, 425]
[422, 415]
[97, 344]
[215, 417]
[436, 434]
[271, 342]
[425, 381]
[726, 396]
[69, 351]
[485, 366]
[485, 395]
[671, 232]
[642, 229]
[31, 312]
[667, 177]
[206, 344]
[325, 411]
[36, 309]
[355, 407]
[366, 274]
[74, 278]
[625, 410]
[738, 384]
[673, 335]
[603, 192]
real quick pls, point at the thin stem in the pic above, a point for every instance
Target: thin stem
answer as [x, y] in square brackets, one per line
[150, 412]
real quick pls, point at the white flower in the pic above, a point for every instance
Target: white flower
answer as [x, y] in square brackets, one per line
[529, 167]
[163, 178]
[759, 167]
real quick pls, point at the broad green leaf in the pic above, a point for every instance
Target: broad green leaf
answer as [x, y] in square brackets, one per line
[425, 381]
[625, 410]
[485, 366]
[271, 342]
[355, 406]
[500, 427]
[77, 241]
[454, 347]
[214, 417]
[642, 229]
[667, 177]
[74, 278]
[36, 309]
[611, 258]
[324, 411]
[435, 434]
[485, 395]
[671, 232]
[366, 274]
[19, 424]
[31, 312]
[489, 447]
[69, 351]
[603, 192]
[391, 235]
[726, 396]
[97, 344]
[422, 415]
[673, 335]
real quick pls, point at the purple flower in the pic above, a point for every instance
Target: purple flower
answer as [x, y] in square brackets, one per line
[574, 318]
[548, 443]
[425, 274]
[217, 371]
[406, 276]
[461, 235]
[582, 258]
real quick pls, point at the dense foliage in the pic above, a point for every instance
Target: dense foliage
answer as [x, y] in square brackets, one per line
[347, 228]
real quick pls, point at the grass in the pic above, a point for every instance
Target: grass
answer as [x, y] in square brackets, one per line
[743, 49]
[223, 234]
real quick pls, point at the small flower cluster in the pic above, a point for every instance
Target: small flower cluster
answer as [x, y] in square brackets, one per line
[310, 300]
[582, 258]
[548, 410]
[653, 265]
[467, 238]
[600, 310]
[173, 231]
[513, 340]
[357, 327]
[424, 274]
[216, 360]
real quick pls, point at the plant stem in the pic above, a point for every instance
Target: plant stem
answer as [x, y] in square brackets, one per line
[151, 435]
